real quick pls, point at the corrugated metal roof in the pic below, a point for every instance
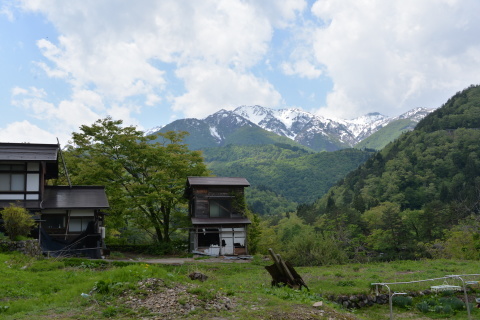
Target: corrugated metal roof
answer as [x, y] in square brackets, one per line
[28, 152]
[207, 221]
[217, 181]
[64, 197]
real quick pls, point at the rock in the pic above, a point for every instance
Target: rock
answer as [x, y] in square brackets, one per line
[198, 276]
[318, 304]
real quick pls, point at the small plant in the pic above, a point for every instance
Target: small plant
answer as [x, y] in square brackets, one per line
[423, 307]
[455, 303]
[346, 283]
[17, 222]
[110, 312]
[202, 293]
[3, 309]
[402, 301]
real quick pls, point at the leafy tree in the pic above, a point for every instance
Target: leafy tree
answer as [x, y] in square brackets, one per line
[17, 222]
[144, 180]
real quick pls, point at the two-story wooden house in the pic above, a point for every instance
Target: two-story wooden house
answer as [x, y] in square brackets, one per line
[217, 212]
[70, 220]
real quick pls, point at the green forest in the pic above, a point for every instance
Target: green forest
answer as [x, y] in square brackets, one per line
[282, 176]
[419, 197]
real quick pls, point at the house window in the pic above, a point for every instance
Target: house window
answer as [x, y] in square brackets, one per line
[208, 237]
[220, 208]
[53, 221]
[14, 179]
[78, 224]
[12, 182]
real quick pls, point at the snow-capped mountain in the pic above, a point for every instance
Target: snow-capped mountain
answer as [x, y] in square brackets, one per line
[305, 128]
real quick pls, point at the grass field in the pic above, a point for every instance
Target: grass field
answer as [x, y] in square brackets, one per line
[91, 289]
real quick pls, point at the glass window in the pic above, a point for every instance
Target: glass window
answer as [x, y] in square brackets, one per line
[78, 224]
[53, 221]
[220, 208]
[12, 182]
[17, 182]
[4, 182]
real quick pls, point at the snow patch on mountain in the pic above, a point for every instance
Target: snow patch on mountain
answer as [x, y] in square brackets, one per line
[299, 125]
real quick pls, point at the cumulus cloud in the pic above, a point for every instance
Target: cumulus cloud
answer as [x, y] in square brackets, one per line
[119, 55]
[395, 55]
[210, 88]
[24, 131]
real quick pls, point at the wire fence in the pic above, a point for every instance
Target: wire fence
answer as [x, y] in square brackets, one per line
[450, 282]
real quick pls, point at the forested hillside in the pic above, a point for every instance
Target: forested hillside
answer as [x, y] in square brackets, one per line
[419, 196]
[282, 175]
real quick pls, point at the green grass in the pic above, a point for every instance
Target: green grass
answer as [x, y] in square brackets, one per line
[31, 288]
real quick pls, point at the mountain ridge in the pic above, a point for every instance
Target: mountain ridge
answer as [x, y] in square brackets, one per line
[301, 127]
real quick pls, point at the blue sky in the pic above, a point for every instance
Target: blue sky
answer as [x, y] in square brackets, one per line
[149, 62]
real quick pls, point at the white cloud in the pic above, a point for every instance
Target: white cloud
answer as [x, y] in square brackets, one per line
[396, 55]
[119, 49]
[24, 131]
[303, 68]
[210, 88]
[6, 10]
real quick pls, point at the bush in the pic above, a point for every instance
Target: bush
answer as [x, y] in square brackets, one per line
[423, 307]
[402, 301]
[17, 222]
[312, 249]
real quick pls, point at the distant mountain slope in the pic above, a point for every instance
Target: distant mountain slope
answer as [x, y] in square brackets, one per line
[293, 173]
[387, 134]
[417, 188]
[223, 128]
[259, 125]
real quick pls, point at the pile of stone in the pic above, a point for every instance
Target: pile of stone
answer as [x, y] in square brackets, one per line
[357, 301]
[171, 302]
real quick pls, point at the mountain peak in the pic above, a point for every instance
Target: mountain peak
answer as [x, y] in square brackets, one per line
[303, 127]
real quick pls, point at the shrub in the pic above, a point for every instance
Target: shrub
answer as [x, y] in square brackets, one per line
[423, 307]
[402, 301]
[313, 249]
[17, 222]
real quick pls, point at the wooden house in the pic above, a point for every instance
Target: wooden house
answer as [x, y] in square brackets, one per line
[70, 218]
[217, 212]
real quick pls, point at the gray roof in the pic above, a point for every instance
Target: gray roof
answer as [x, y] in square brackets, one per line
[218, 221]
[28, 152]
[77, 197]
[217, 181]
[28, 204]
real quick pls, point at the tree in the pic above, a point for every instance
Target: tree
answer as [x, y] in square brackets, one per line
[17, 222]
[144, 180]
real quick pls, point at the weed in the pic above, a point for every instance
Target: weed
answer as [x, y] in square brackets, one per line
[346, 283]
[423, 307]
[404, 302]
[202, 293]
[110, 312]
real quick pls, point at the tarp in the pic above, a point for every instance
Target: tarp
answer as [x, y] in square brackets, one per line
[88, 244]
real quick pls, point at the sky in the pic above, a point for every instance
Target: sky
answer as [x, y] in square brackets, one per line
[66, 63]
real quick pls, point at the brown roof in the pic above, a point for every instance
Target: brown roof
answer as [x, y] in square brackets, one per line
[217, 181]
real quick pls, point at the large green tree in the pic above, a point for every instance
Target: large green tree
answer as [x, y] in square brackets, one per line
[144, 180]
